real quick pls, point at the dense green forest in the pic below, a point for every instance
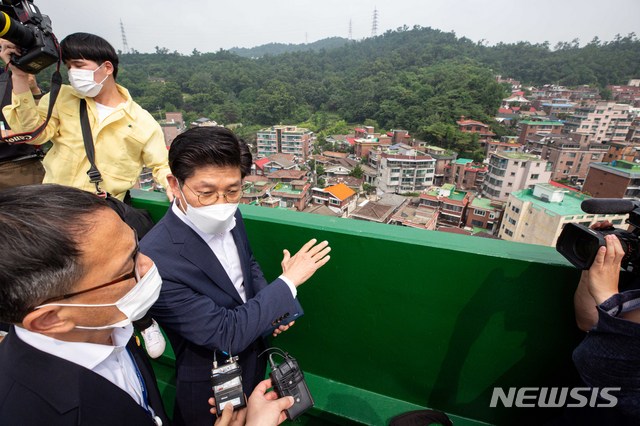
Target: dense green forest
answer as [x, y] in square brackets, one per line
[419, 79]
[280, 48]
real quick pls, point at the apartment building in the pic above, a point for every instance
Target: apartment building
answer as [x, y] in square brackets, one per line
[569, 154]
[449, 202]
[529, 128]
[285, 139]
[618, 179]
[465, 174]
[604, 122]
[483, 213]
[403, 169]
[537, 216]
[510, 172]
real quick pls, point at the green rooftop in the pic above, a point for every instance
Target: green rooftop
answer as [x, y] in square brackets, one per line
[483, 203]
[519, 156]
[286, 188]
[570, 205]
[463, 161]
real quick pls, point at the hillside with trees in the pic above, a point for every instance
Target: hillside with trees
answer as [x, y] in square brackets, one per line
[419, 79]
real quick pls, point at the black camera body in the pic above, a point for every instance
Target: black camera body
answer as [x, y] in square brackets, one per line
[579, 244]
[288, 380]
[22, 24]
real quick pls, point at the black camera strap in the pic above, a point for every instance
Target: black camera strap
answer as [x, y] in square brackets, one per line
[56, 83]
[95, 177]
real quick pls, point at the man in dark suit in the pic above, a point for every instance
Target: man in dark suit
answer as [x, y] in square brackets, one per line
[69, 357]
[214, 297]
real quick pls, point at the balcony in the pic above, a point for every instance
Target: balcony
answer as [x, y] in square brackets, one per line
[402, 319]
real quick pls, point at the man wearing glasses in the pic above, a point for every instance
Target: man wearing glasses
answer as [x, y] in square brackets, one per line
[214, 297]
[71, 282]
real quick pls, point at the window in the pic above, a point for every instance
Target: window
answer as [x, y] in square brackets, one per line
[508, 232]
[477, 223]
[515, 209]
[513, 173]
[479, 212]
[535, 176]
[511, 221]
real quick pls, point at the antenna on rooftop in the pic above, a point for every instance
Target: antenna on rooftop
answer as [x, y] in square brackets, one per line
[125, 45]
[374, 26]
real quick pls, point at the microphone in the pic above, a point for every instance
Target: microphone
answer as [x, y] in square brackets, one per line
[607, 206]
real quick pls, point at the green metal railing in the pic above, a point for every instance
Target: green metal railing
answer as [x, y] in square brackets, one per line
[403, 318]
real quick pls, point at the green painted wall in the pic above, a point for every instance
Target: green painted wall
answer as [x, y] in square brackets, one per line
[429, 318]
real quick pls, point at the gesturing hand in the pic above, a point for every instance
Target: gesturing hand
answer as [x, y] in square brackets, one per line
[305, 262]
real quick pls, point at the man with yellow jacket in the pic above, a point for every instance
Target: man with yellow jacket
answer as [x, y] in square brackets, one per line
[126, 137]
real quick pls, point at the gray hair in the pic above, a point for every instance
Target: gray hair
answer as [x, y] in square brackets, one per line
[40, 228]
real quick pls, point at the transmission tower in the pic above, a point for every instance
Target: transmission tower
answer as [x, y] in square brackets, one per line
[350, 30]
[125, 45]
[374, 26]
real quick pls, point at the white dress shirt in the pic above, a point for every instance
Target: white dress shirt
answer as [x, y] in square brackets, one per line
[114, 363]
[224, 248]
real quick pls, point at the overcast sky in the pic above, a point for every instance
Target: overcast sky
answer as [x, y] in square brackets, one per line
[209, 25]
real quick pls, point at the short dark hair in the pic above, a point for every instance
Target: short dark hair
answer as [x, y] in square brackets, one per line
[207, 146]
[41, 227]
[90, 47]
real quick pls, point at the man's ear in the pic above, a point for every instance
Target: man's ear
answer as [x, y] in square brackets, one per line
[108, 67]
[47, 320]
[175, 187]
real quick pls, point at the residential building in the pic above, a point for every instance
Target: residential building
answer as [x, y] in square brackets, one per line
[477, 127]
[537, 216]
[415, 217]
[483, 213]
[604, 122]
[443, 159]
[465, 174]
[505, 144]
[510, 172]
[255, 189]
[618, 179]
[379, 211]
[403, 169]
[544, 127]
[449, 202]
[293, 140]
[292, 195]
[272, 163]
[569, 154]
[337, 197]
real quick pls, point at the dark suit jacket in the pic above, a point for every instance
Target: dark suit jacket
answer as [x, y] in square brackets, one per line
[201, 311]
[37, 388]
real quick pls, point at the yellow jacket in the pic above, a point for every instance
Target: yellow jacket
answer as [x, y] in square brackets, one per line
[128, 139]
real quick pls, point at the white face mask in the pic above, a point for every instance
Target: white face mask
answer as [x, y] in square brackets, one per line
[213, 219]
[84, 83]
[134, 304]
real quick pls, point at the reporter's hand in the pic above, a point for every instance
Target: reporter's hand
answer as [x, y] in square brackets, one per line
[605, 271]
[265, 408]
[229, 416]
[305, 262]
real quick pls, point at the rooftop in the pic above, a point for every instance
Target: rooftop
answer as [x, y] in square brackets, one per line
[570, 204]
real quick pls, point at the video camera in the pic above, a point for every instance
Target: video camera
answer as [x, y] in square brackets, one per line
[579, 244]
[22, 24]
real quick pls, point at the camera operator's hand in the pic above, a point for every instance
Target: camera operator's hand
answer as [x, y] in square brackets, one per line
[20, 79]
[604, 273]
[305, 262]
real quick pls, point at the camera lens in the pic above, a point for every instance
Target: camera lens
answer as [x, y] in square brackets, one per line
[585, 247]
